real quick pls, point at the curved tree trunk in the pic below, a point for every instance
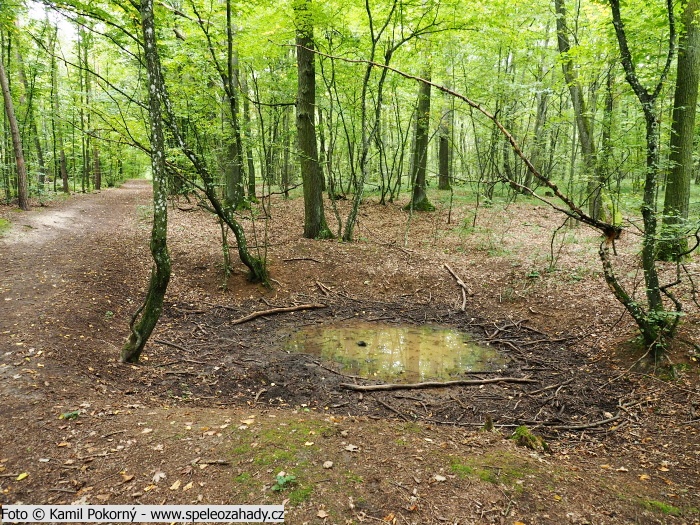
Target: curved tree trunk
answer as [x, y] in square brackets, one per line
[146, 317]
[655, 322]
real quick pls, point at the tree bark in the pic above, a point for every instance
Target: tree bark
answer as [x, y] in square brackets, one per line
[248, 139]
[314, 217]
[419, 199]
[149, 313]
[235, 192]
[655, 323]
[22, 189]
[445, 148]
[674, 242]
[32, 121]
[583, 119]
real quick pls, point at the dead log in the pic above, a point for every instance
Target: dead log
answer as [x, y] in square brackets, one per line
[436, 384]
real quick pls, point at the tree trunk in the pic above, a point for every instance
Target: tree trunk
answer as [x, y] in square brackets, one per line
[32, 121]
[314, 217]
[96, 167]
[445, 148]
[419, 199]
[677, 196]
[149, 313]
[248, 139]
[235, 192]
[22, 190]
[583, 120]
[655, 323]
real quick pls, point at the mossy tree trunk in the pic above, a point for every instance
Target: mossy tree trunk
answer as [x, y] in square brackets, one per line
[674, 242]
[146, 317]
[314, 216]
[656, 323]
[419, 198]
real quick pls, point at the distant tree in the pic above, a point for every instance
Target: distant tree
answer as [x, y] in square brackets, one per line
[22, 187]
[584, 121]
[445, 148]
[419, 197]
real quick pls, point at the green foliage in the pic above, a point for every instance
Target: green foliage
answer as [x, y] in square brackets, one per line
[283, 481]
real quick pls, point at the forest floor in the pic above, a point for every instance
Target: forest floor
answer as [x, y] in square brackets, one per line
[218, 408]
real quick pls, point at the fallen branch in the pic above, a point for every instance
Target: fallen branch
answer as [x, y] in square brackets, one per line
[395, 411]
[436, 384]
[255, 315]
[585, 425]
[465, 290]
[550, 387]
[303, 259]
[213, 462]
[323, 288]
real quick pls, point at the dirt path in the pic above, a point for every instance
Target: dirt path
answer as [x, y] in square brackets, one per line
[61, 267]
[214, 415]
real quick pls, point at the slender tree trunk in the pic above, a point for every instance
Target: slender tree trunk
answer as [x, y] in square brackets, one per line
[247, 127]
[22, 189]
[235, 192]
[145, 319]
[286, 148]
[655, 323]
[583, 119]
[96, 166]
[419, 199]
[677, 196]
[445, 148]
[32, 121]
[314, 217]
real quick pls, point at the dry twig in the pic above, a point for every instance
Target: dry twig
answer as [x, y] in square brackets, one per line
[463, 286]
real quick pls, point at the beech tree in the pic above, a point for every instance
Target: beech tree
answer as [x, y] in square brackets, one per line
[419, 196]
[674, 242]
[314, 216]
